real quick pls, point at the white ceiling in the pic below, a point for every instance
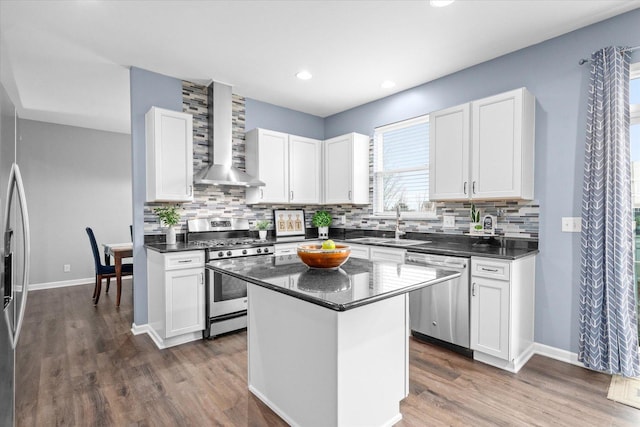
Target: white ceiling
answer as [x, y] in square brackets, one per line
[67, 61]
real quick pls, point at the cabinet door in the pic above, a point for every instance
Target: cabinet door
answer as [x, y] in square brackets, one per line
[169, 145]
[449, 135]
[184, 296]
[273, 161]
[490, 316]
[338, 170]
[387, 254]
[497, 149]
[359, 251]
[305, 155]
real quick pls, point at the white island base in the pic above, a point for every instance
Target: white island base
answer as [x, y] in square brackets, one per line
[314, 366]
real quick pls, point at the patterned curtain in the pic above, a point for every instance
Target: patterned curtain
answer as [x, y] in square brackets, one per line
[608, 326]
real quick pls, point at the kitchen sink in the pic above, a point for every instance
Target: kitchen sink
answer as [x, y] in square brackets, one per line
[387, 241]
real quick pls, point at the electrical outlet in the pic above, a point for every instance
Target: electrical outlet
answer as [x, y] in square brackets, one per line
[448, 221]
[66, 268]
[343, 219]
[571, 224]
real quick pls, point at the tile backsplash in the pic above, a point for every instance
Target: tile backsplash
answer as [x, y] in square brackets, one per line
[514, 218]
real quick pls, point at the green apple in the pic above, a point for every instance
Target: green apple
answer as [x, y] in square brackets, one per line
[328, 244]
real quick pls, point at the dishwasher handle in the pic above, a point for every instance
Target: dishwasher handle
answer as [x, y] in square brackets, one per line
[443, 264]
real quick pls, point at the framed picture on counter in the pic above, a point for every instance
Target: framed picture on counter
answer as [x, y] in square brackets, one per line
[289, 222]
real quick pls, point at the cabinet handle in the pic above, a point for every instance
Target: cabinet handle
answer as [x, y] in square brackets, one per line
[191, 190]
[202, 278]
[464, 188]
[291, 195]
[473, 188]
[473, 289]
[349, 195]
[261, 194]
[183, 261]
[492, 270]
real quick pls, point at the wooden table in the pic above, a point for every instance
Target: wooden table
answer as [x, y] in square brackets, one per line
[117, 251]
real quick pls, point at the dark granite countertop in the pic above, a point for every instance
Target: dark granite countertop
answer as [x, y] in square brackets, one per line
[357, 282]
[178, 247]
[449, 244]
[435, 243]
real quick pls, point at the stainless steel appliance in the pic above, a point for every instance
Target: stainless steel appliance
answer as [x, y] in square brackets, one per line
[225, 295]
[441, 312]
[14, 254]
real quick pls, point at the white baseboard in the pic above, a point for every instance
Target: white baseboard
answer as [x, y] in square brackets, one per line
[557, 354]
[167, 342]
[65, 283]
[139, 329]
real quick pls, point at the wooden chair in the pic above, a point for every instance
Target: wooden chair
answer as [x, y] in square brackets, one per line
[103, 271]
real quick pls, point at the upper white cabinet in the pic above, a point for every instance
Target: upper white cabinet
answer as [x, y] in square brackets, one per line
[169, 155]
[289, 166]
[449, 149]
[484, 150]
[346, 169]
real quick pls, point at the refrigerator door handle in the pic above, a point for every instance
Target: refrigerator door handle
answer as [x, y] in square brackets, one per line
[15, 183]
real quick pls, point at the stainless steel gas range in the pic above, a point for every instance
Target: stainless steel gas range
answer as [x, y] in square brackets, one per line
[225, 296]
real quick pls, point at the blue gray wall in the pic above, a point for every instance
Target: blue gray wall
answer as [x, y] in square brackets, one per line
[268, 116]
[147, 89]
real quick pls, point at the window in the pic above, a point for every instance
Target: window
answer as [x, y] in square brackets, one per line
[401, 167]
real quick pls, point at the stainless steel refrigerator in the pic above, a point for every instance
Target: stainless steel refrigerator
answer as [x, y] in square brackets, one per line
[14, 255]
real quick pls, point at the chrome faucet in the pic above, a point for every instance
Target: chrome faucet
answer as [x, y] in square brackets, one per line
[398, 232]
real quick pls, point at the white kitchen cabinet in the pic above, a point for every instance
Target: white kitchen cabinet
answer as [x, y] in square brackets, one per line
[484, 150]
[359, 251]
[449, 149]
[346, 169]
[176, 299]
[305, 170]
[289, 165]
[378, 253]
[169, 155]
[502, 311]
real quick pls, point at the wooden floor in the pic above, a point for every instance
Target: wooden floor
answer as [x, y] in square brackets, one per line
[80, 365]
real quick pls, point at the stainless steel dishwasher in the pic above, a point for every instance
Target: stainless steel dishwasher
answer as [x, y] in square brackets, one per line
[440, 313]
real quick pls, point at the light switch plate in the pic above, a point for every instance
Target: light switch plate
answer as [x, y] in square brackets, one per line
[571, 224]
[448, 221]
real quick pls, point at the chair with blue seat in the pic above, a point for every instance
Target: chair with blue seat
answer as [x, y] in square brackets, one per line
[103, 271]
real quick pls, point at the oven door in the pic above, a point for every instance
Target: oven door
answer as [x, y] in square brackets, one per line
[227, 294]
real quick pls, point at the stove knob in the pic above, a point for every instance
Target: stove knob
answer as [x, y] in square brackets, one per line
[244, 252]
[220, 253]
[266, 250]
[228, 253]
[259, 250]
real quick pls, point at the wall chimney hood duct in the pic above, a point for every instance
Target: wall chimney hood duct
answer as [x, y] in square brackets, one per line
[221, 170]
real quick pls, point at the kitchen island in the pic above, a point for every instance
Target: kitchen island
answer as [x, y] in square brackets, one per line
[329, 347]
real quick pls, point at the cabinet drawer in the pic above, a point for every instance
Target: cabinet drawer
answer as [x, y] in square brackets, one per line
[359, 251]
[482, 267]
[387, 254]
[184, 260]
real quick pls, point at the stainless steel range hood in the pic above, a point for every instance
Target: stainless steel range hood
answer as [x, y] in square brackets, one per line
[221, 170]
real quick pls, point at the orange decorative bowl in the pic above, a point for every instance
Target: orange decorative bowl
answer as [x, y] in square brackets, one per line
[316, 257]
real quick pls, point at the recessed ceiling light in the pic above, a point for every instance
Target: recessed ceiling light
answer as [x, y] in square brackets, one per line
[387, 84]
[304, 75]
[440, 3]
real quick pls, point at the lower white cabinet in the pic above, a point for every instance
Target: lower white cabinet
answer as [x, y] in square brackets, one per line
[175, 289]
[502, 311]
[359, 251]
[377, 253]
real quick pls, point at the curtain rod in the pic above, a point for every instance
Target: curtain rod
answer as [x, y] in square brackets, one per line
[629, 49]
